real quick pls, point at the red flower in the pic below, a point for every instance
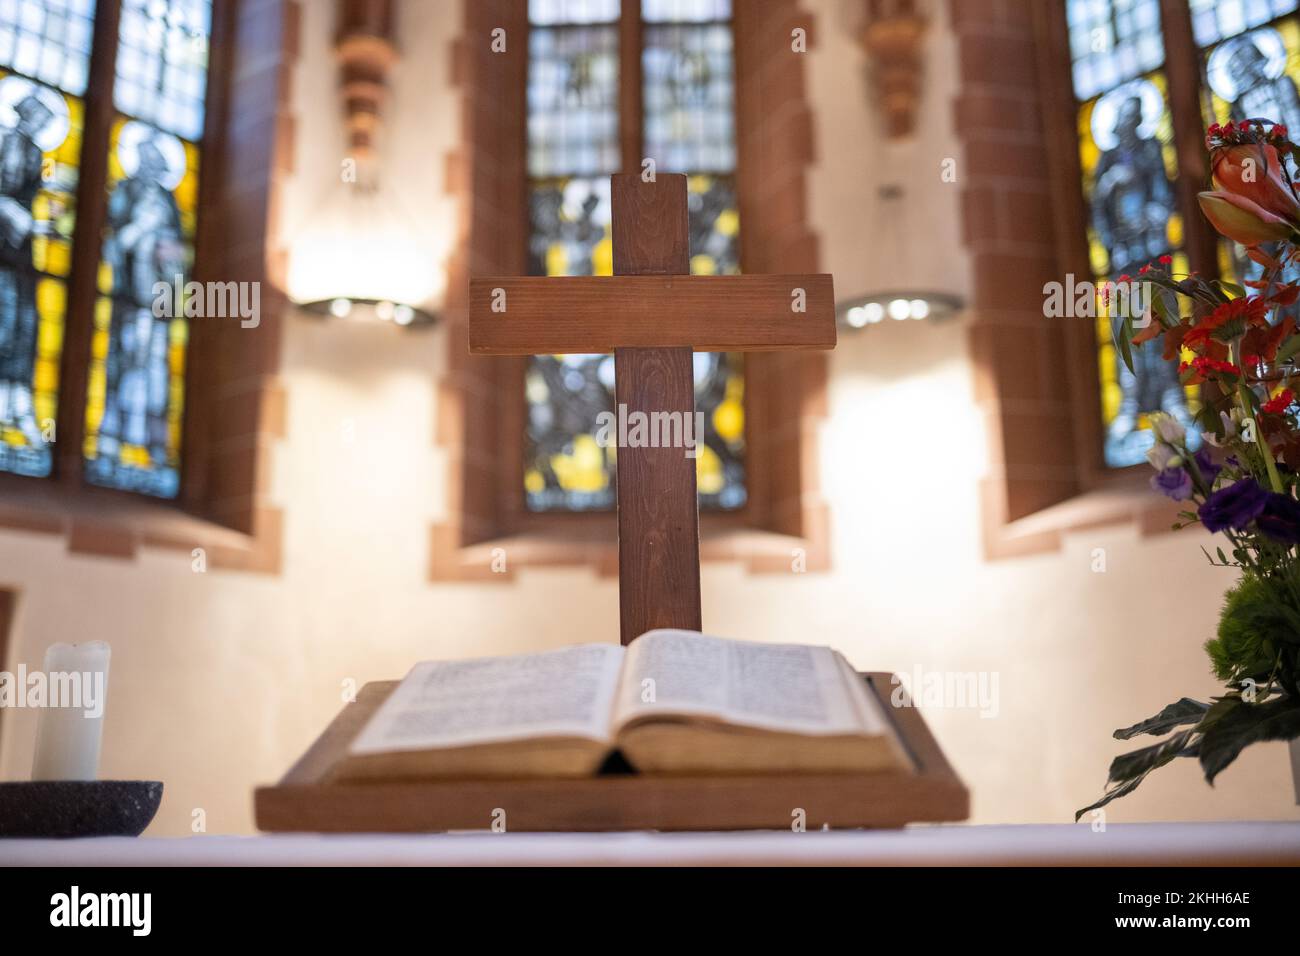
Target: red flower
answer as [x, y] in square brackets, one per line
[1250, 311]
[1203, 365]
[1166, 260]
[1279, 403]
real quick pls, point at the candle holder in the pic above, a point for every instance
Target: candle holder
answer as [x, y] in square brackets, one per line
[63, 809]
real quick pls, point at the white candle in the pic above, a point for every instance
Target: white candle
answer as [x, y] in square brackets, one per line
[70, 726]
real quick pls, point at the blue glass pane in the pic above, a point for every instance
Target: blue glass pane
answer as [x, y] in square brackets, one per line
[48, 40]
[162, 63]
[1215, 20]
[1112, 41]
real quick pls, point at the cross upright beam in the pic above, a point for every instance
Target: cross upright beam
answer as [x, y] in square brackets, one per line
[658, 512]
[652, 315]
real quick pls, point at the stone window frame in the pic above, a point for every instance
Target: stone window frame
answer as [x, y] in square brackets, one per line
[234, 401]
[1024, 225]
[480, 400]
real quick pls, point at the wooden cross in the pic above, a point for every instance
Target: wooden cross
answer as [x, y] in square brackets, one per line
[652, 314]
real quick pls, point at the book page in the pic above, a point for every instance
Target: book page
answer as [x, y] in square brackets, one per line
[784, 687]
[566, 692]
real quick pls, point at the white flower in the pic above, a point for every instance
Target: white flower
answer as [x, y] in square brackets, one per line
[1229, 429]
[1163, 456]
[1168, 428]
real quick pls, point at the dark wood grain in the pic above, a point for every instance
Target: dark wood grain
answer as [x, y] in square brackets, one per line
[306, 801]
[658, 513]
[563, 314]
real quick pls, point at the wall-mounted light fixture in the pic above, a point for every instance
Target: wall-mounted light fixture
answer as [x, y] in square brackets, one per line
[360, 255]
[860, 312]
[383, 311]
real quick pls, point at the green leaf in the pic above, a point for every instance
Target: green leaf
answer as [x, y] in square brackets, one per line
[1185, 711]
[1245, 724]
[1289, 348]
[1167, 314]
[1123, 790]
[1234, 290]
[1138, 762]
[1125, 343]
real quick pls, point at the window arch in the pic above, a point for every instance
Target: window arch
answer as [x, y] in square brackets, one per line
[483, 417]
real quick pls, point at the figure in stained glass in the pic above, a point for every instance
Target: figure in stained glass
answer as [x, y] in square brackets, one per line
[1249, 72]
[39, 125]
[145, 247]
[1131, 206]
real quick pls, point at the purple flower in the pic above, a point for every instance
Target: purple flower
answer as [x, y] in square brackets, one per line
[1175, 483]
[1280, 519]
[1234, 506]
[1209, 470]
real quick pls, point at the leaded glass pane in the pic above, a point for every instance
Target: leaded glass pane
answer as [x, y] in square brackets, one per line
[45, 54]
[1127, 155]
[136, 381]
[714, 225]
[555, 12]
[689, 104]
[1112, 41]
[689, 97]
[570, 227]
[685, 11]
[573, 101]
[135, 397]
[162, 63]
[40, 151]
[1215, 20]
[48, 40]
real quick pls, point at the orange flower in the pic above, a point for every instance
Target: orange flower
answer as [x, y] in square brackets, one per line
[1242, 220]
[1254, 172]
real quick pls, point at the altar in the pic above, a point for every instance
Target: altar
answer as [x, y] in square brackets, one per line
[1251, 844]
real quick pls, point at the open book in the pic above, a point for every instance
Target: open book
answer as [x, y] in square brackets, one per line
[671, 702]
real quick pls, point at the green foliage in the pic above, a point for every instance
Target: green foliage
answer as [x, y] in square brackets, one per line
[1185, 711]
[1221, 731]
[1244, 724]
[1257, 621]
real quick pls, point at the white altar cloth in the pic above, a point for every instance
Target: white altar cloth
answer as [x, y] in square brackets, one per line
[1153, 844]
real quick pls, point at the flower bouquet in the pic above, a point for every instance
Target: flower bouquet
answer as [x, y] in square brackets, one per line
[1239, 343]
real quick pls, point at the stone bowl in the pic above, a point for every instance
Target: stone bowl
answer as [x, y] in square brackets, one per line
[77, 808]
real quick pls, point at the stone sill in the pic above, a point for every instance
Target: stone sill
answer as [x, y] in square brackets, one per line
[107, 522]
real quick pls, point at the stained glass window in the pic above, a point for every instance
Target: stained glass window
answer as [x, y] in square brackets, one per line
[573, 147]
[136, 382]
[1128, 160]
[1251, 71]
[44, 55]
